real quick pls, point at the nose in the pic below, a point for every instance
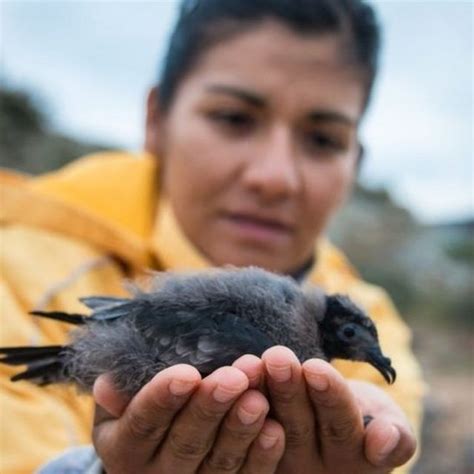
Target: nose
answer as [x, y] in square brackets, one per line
[273, 171]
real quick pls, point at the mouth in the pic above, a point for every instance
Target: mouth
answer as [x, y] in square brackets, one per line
[259, 228]
[383, 365]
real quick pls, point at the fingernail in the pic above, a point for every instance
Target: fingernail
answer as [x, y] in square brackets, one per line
[180, 387]
[390, 437]
[267, 441]
[318, 382]
[367, 419]
[246, 417]
[281, 373]
[223, 395]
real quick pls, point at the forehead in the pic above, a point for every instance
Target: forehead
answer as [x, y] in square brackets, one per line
[288, 69]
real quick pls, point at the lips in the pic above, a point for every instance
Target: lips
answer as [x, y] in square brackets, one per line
[258, 227]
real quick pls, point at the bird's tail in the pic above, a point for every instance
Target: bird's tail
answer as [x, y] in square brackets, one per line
[44, 365]
[76, 319]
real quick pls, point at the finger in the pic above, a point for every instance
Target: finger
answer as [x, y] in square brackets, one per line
[132, 439]
[241, 426]
[111, 403]
[291, 405]
[340, 422]
[388, 425]
[252, 367]
[367, 419]
[388, 445]
[192, 434]
[267, 450]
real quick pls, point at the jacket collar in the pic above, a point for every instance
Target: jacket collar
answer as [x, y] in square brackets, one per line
[110, 200]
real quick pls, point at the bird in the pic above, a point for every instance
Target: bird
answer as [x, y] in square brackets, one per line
[207, 319]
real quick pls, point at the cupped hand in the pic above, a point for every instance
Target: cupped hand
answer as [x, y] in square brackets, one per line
[389, 439]
[322, 415]
[180, 423]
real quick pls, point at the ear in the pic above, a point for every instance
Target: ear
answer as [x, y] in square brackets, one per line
[360, 157]
[153, 123]
[357, 165]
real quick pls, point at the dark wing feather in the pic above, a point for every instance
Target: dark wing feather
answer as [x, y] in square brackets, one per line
[25, 355]
[104, 308]
[119, 309]
[209, 344]
[70, 318]
[44, 364]
[97, 302]
[42, 374]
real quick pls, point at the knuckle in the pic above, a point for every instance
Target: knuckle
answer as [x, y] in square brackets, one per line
[338, 431]
[282, 395]
[187, 448]
[206, 415]
[329, 399]
[225, 462]
[298, 435]
[328, 402]
[240, 433]
[242, 436]
[141, 427]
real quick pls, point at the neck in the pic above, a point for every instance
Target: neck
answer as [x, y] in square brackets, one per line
[300, 274]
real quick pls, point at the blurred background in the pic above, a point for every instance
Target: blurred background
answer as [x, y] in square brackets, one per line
[74, 77]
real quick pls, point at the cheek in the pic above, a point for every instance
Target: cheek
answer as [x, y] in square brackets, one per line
[197, 174]
[326, 188]
[192, 166]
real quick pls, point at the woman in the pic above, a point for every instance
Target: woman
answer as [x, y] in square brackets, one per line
[255, 123]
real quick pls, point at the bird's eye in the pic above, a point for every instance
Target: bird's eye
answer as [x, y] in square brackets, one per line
[349, 332]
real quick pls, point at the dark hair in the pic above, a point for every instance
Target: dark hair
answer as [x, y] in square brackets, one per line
[202, 23]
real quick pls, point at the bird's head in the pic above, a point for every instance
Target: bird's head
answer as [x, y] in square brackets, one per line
[348, 333]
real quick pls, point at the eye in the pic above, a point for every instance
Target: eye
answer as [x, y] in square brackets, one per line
[233, 121]
[349, 332]
[318, 142]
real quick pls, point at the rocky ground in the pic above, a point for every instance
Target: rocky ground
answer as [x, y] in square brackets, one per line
[448, 435]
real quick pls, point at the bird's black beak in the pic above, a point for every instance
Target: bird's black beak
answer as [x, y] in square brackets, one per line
[383, 365]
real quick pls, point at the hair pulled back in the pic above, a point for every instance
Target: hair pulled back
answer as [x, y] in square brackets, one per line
[203, 23]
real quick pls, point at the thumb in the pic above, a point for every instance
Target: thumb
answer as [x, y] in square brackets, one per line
[111, 403]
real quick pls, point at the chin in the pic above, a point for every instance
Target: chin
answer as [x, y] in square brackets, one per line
[245, 257]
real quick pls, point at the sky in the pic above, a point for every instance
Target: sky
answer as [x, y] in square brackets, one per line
[91, 63]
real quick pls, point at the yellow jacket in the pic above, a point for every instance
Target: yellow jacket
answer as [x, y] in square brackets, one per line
[80, 231]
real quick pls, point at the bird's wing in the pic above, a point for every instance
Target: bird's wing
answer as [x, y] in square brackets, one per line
[108, 308]
[70, 318]
[44, 365]
[97, 302]
[209, 343]
[104, 308]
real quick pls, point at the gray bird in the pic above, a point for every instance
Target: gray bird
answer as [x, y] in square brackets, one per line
[206, 319]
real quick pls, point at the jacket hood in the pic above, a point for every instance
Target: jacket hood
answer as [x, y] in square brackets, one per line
[106, 199]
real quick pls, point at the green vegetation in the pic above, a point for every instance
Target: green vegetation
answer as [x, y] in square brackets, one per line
[462, 251]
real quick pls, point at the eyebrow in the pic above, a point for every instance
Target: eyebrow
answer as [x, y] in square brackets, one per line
[245, 95]
[258, 101]
[330, 116]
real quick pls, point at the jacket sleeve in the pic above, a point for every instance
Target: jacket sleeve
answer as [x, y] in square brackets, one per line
[395, 339]
[46, 271]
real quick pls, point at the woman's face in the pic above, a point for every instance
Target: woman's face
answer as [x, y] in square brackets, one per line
[260, 146]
